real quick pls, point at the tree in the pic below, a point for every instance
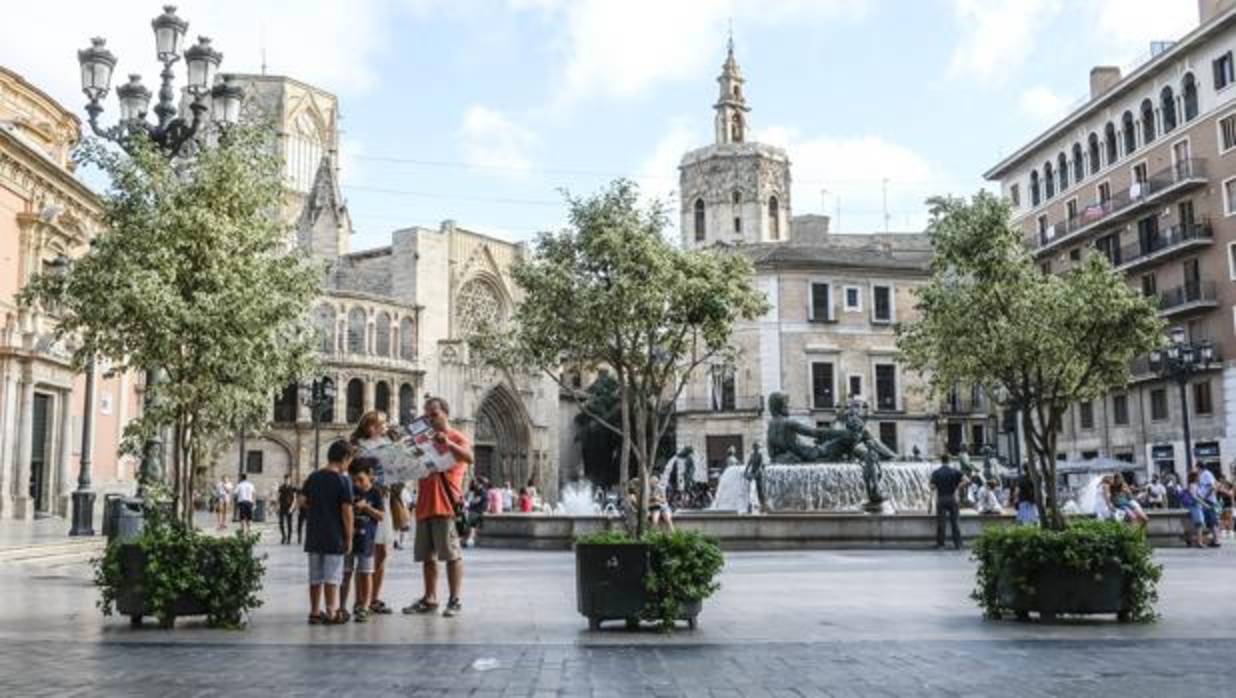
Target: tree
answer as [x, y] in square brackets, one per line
[599, 446]
[990, 317]
[193, 275]
[610, 291]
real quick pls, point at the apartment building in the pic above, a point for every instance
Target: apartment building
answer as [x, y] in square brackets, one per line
[1145, 173]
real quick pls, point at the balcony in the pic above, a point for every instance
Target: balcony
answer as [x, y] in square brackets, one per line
[1176, 239]
[1191, 296]
[1171, 180]
[752, 404]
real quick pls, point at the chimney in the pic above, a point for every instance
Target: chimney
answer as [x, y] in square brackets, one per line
[1209, 9]
[1105, 77]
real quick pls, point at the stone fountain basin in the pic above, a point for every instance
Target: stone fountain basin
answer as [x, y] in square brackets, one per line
[782, 531]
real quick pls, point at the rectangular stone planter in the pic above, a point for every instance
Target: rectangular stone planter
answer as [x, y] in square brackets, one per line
[131, 601]
[1059, 590]
[609, 584]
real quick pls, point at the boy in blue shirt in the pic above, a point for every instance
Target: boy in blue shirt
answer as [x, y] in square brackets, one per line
[367, 508]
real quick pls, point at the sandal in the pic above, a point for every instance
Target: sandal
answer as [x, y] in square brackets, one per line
[380, 608]
[361, 616]
[316, 619]
[421, 606]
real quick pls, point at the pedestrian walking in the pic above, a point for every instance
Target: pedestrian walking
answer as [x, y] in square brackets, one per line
[945, 481]
[246, 495]
[287, 502]
[367, 514]
[439, 502]
[1207, 492]
[327, 498]
[223, 497]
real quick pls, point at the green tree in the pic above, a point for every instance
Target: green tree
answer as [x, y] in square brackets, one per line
[599, 446]
[193, 274]
[610, 291]
[990, 317]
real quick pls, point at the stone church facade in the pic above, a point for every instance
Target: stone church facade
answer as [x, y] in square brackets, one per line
[392, 321]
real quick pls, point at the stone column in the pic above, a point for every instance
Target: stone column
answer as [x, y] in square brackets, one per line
[8, 434]
[23, 505]
[370, 386]
[64, 469]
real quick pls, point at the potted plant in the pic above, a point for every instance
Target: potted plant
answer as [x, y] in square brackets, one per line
[1039, 343]
[661, 577]
[172, 570]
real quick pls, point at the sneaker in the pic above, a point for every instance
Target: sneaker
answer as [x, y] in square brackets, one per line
[421, 606]
[453, 608]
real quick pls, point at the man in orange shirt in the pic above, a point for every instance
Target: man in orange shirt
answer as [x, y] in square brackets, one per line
[437, 497]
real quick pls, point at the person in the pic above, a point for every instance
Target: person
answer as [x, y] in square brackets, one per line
[477, 501]
[1103, 506]
[945, 480]
[1191, 503]
[1123, 500]
[493, 505]
[532, 492]
[301, 516]
[1023, 500]
[658, 507]
[1156, 493]
[508, 497]
[437, 498]
[380, 447]
[1226, 496]
[367, 512]
[223, 497]
[245, 496]
[287, 502]
[1208, 494]
[326, 495]
[525, 501]
[988, 502]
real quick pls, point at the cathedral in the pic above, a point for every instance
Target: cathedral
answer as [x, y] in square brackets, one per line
[392, 321]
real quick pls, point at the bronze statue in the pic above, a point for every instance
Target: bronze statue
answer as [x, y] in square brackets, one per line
[851, 442]
[755, 473]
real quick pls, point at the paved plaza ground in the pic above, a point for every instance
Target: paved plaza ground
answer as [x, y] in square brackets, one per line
[895, 623]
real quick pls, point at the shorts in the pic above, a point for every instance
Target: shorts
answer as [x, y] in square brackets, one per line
[325, 568]
[246, 510]
[1196, 517]
[361, 564]
[386, 530]
[1211, 518]
[436, 539]
[1027, 513]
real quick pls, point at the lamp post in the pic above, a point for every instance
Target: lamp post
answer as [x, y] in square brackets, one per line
[319, 397]
[1178, 362]
[83, 498]
[170, 132]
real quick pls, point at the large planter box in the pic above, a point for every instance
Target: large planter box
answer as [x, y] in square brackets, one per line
[609, 584]
[131, 601]
[1060, 590]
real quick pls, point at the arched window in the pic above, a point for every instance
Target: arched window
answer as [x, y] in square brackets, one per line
[1034, 188]
[382, 398]
[1109, 138]
[1096, 162]
[1062, 171]
[382, 327]
[286, 404]
[736, 128]
[327, 415]
[699, 220]
[774, 218]
[1130, 136]
[407, 339]
[407, 404]
[1189, 97]
[1079, 163]
[477, 306]
[1167, 105]
[1147, 121]
[356, 330]
[355, 400]
[1049, 181]
[324, 322]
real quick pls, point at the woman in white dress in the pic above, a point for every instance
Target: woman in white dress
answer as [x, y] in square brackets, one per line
[376, 442]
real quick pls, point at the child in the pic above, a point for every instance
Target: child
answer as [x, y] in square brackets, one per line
[327, 499]
[525, 501]
[368, 514]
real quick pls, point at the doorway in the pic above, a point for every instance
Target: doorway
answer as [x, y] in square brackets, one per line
[718, 451]
[39, 470]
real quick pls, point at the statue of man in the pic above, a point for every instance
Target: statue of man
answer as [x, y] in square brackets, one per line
[686, 465]
[989, 462]
[783, 432]
[755, 473]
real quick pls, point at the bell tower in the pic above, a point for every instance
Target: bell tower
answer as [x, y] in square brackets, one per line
[731, 106]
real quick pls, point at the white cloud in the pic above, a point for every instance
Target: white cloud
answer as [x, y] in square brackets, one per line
[1042, 105]
[620, 50]
[658, 174]
[997, 36]
[491, 140]
[328, 43]
[1130, 25]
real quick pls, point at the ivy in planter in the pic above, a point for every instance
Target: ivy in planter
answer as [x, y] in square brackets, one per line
[1084, 546]
[683, 567]
[222, 574]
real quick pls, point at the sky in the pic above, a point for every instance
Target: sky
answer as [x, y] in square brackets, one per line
[486, 111]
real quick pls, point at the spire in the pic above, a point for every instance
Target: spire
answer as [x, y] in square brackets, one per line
[731, 106]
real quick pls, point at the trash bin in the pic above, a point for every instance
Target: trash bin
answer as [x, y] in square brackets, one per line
[110, 502]
[259, 511]
[129, 519]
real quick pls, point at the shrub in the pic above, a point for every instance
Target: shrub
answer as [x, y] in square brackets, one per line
[1084, 546]
[220, 573]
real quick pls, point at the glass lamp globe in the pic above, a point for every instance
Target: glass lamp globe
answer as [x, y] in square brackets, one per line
[169, 31]
[202, 62]
[97, 64]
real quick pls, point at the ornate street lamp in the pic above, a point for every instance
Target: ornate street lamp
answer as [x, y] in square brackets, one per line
[170, 133]
[83, 497]
[1178, 362]
[319, 397]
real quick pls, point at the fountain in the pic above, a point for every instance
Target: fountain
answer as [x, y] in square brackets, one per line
[826, 487]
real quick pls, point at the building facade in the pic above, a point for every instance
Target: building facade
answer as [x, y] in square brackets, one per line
[1143, 174]
[392, 321]
[46, 213]
[835, 299]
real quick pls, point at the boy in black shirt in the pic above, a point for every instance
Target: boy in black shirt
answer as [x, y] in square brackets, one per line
[327, 500]
[368, 513]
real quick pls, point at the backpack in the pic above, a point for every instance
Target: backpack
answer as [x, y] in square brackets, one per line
[1187, 500]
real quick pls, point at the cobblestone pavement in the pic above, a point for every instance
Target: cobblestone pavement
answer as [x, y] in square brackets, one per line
[821, 623]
